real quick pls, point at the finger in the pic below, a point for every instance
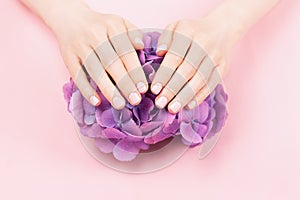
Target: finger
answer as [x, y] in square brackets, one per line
[78, 75]
[214, 80]
[182, 75]
[199, 79]
[174, 57]
[114, 66]
[100, 77]
[125, 50]
[135, 35]
[165, 40]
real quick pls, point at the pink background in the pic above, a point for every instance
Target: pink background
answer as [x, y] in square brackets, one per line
[257, 157]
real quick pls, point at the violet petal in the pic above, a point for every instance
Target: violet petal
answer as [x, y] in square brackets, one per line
[105, 119]
[89, 119]
[150, 126]
[131, 128]
[104, 145]
[113, 133]
[92, 131]
[203, 111]
[201, 129]
[76, 106]
[157, 136]
[172, 128]
[189, 134]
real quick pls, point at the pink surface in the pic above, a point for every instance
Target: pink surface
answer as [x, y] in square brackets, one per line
[257, 157]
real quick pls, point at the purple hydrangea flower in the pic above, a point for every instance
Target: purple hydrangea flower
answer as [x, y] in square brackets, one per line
[125, 132]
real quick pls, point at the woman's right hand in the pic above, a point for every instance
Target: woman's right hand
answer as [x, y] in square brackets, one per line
[105, 45]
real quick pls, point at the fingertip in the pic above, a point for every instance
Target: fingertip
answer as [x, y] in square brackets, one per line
[135, 98]
[174, 107]
[156, 88]
[95, 100]
[191, 105]
[142, 87]
[161, 49]
[138, 43]
[118, 102]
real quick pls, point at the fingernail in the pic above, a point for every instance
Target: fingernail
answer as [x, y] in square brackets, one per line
[141, 87]
[134, 98]
[118, 102]
[162, 47]
[94, 100]
[161, 102]
[192, 104]
[139, 41]
[175, 107]
[156, 88]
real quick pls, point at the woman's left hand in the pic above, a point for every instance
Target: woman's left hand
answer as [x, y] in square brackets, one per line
[196, 56]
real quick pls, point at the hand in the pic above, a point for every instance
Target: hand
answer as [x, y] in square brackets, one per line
[105, 45]
[196, 54]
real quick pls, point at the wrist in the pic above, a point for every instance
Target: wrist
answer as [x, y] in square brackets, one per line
[60, 13]
[230, 20]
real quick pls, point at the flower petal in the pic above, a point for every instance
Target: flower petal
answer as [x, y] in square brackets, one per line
[125, 150]
[150, 126]
[76, 107]
[113, 133]
[154, 38]
[149, 71]
[189, 134]
[92, 131]
[201, 129]
[157, 136]
[105, 119]
[142, 145]
[104, 145]
[88, 108]
[131, 128]
[142, 57]
[89, 119]
[68, 90]
[144, 109]
[185, 115]
[172, 128]
[147, 43]
[161, 115]
[203, 109]
[121, 116]
[104, 105]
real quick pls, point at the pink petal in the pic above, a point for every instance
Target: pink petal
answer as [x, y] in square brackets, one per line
[68, 90]
[113, 133]
[125, 151]
[104, 145]
[92, 131]
[142, 145]
[157, 136]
